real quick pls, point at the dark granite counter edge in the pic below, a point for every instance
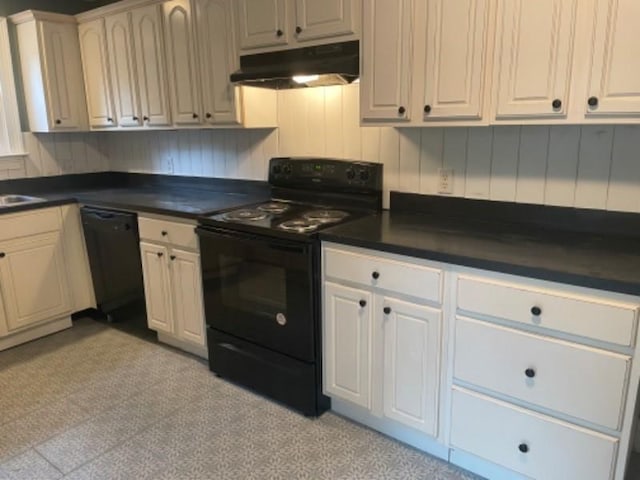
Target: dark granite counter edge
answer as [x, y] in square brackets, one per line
[500, 267]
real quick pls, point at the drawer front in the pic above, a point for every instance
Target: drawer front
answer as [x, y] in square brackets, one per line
[32, 222]
[591, 317]
[405, 278]
[555, 450]
[178, 234]
[576, 380]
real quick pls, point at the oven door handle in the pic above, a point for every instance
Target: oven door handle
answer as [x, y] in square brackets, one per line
[268, 242]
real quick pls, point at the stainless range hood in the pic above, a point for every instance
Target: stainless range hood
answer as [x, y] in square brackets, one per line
[322, 65]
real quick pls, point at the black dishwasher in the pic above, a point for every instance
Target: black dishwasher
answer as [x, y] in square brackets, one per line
[114, 256]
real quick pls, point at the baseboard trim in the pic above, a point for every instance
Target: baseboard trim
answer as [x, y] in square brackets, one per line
[35, 333]
[197, 350]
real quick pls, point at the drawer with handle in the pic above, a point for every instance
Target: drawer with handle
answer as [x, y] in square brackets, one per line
[174, 233]
[592, 317]
[525, 442]
[412, 279]
[573, 379]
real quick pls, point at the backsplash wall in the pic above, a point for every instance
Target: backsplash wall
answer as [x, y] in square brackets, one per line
[589, 166]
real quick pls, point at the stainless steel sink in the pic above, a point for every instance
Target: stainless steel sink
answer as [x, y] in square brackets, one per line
[11, 200]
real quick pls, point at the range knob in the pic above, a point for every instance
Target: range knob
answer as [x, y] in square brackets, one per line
[287, 169]
[364, 175]
[351, 173]
[277, 169]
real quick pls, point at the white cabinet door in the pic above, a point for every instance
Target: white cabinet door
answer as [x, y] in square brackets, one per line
[411, 363]
[34, 281]
[122, 69]
[186, 281]
[182, 61]
[534, 60]
[151, 71]
[328, 18]
[385, 83]
[4, 329]
[347, 344]
[157, 287]
[455, 58]
[261, 23]
[615, 75]
[96, 74]
[218, 59]
[63, 75]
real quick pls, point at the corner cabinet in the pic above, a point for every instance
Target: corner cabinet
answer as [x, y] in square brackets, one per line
[382, 345]
[173, 282]
[51, 71]
[386, 63]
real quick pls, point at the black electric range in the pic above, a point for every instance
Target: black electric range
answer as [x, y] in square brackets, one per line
[261, 276]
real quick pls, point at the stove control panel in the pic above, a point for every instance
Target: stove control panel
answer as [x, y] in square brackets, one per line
[291, 172]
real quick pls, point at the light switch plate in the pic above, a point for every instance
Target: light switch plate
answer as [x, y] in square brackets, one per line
[445, 181]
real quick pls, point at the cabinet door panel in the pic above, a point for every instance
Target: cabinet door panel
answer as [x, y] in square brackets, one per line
[411, 364]
[186, 282]
[150, 65]
[385, 84]
[328, 18]
[157, 287]
[63, 74]
[347, 344]
[122, 69]
[259, 22]
[456, 51]
[34, 281]
[615, 79]
[535, 57]
[96, 73]
[218, 58]
[182, 62]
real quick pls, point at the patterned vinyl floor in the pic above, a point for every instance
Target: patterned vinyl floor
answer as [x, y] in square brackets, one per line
[96, 403]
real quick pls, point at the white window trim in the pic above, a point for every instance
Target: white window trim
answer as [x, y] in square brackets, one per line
[10, 133]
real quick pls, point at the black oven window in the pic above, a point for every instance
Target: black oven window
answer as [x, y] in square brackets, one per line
[253, 287]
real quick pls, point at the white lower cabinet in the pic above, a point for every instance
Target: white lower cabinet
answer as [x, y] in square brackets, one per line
[381, 352]
[507, 376]
[173, 283]
[44, 273]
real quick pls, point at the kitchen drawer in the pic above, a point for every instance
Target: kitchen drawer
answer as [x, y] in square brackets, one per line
[592, 317]
[178, 234]
[28, 223]
[580, 381]
[553, 450]
[393, 275]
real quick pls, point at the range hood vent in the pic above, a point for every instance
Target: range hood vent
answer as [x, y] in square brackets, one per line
[322, 65]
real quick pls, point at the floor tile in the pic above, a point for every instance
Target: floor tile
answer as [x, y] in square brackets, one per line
[28, 466]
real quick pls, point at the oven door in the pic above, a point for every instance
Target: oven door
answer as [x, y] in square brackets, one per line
[259, 289]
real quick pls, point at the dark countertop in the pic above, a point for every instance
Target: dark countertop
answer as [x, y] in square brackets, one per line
[578, 258]
[180, 196]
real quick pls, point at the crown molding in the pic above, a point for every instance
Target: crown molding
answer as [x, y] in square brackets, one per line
[31, 15]
[113, 8]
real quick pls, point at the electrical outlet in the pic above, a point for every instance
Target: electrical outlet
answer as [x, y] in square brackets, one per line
[445, 181]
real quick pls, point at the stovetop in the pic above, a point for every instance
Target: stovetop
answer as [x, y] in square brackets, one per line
[283, 217]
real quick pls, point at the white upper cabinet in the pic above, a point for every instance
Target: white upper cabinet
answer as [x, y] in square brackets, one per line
[96, 74]
[385, 84]
[454, 58]
[218, 59]
[535, 42]
[261, 23]
[122, 69]
[151, 71]
[182, 62]
[327, 18]
[267, 25]
[51, 71]
[614, 87]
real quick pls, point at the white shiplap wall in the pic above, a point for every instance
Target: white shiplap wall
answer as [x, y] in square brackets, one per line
[57, 154]
[590, 166]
